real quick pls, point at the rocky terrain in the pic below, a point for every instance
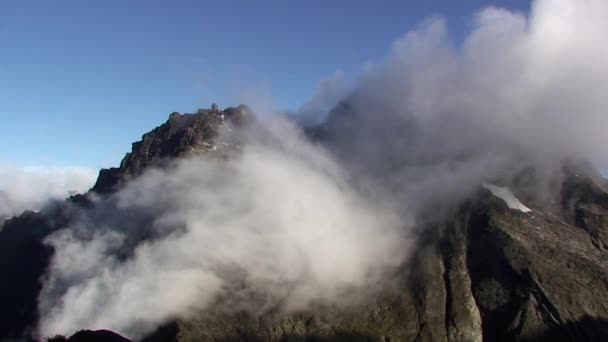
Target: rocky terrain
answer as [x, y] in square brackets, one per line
[487, 273]
[180, 135]
[490, 274]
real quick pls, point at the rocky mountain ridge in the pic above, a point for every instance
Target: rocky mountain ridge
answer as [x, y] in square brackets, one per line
[489, 273]
[181, 135]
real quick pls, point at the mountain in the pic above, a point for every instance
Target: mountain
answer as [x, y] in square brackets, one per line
[180, 135]
[490, 270]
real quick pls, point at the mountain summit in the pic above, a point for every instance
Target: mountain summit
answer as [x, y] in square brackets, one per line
[181, 135]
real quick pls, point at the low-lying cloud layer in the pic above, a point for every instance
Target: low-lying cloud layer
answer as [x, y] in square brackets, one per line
[277, 219]
[303, 222]
[29, 188]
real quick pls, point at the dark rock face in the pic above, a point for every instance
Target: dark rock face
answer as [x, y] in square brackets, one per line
[23, 260]
[91, 336]
[487, 273]
[179, 136]
[535, 273]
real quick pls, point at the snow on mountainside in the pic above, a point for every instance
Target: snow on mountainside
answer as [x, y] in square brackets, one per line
[506, 195]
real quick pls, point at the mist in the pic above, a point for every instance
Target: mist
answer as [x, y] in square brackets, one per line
[298, 222]
[278, 219]
[435, 118]
[29, 188]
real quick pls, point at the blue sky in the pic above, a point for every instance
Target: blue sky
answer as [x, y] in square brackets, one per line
[81, 80]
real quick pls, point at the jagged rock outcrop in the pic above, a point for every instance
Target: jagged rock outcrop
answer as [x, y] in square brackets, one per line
[182, 134]
[486, 273]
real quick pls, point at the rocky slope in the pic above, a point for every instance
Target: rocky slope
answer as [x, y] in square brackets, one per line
[488, 273]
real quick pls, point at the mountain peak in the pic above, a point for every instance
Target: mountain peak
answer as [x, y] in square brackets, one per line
[180, 135]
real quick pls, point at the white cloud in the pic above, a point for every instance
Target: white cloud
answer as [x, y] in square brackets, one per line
[23, 188]
[278, 219]
[434, 120]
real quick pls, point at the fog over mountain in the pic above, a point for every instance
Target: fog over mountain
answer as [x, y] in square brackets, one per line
[520, 92]
[278, 218]
[264, 212]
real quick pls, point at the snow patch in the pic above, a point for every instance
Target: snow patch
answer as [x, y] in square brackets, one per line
[506, 195]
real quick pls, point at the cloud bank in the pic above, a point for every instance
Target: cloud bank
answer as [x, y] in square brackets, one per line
[434, 119]
[278, 219]
[29, 188]
[298, 222]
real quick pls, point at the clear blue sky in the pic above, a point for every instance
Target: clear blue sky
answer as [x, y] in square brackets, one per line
[81, 80]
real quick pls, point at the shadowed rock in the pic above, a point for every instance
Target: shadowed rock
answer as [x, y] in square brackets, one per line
[91, 336]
